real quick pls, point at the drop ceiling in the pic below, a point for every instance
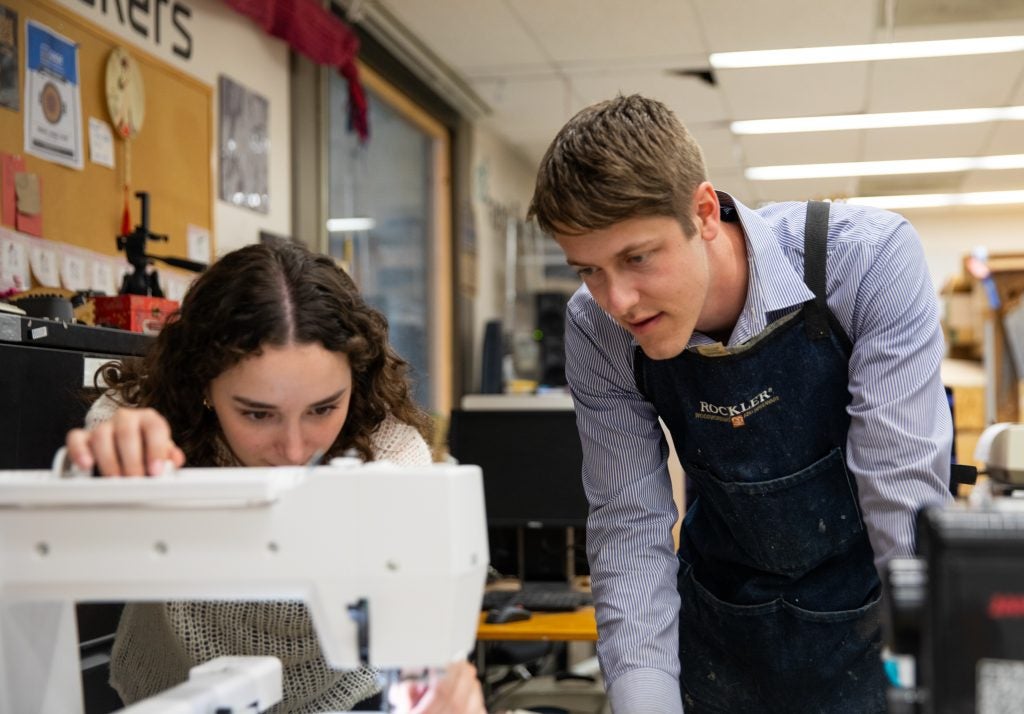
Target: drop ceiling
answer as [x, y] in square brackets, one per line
[534, 63]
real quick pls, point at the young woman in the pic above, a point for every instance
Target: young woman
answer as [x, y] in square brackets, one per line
[273, 358]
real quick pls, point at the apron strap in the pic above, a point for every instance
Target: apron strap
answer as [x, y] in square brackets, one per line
[638, 372]
[815, 242]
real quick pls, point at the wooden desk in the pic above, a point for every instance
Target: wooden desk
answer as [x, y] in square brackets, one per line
[545, 626]
[541, 626]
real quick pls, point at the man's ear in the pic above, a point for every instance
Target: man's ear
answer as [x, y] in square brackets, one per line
[707, 218]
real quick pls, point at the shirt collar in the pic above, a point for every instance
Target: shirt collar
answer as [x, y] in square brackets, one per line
[773, 284]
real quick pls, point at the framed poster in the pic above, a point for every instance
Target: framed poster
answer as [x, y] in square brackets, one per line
[53, 110]
[244, 143]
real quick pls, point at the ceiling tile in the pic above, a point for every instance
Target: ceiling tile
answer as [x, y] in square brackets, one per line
[1006, 137]
[943, 82]
[722, 152]
[526, 110]
[1008, 180]
[923, 142]
[1017, 96]
[812, 148]
[521, 98]
[989, 21]
[693, 100]
[608, 31]
[731, 25]
[909, 183]
[804, 190]
[534, 150]
[946, 12]
[468, 34]
[774, 92]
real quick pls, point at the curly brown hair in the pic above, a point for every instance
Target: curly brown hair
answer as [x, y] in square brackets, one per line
[268, 294]
[623, 158]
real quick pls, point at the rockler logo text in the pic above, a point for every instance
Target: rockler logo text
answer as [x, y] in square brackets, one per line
[736, 414]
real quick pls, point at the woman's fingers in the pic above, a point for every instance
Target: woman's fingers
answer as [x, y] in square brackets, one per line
[463, 692]
[134, 442]
[103, 443]
[457, 692]
[159, 447]
[128, 443]
[78, 449]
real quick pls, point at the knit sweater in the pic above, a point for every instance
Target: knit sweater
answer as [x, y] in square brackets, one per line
[157, 643]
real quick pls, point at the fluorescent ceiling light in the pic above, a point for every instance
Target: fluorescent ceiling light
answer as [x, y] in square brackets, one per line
[866, 53]
[348, 225]
[840, 122]
[883, 168]
[939, 200]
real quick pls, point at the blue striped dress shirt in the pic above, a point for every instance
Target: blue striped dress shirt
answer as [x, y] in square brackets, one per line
[898, 445]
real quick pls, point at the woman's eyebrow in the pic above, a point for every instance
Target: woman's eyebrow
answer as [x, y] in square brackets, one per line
[254, 404]
[333, 398]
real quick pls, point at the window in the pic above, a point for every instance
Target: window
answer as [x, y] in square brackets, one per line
[401, 256]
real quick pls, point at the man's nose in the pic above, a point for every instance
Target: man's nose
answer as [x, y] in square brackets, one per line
[621, 296]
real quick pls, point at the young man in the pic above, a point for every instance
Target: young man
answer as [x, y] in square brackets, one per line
[793, 353]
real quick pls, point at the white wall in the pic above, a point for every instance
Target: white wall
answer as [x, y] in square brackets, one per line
[502, 181]
[950, 233]
[220, 41]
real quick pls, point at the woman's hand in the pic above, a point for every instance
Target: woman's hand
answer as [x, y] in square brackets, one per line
[457, 692]
[133, 442]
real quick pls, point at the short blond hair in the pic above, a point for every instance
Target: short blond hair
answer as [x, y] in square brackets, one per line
[623, 158]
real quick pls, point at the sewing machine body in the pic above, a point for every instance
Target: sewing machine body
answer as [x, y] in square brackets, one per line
[408, 543]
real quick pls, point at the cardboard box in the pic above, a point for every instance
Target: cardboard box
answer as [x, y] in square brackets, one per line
[137, 313]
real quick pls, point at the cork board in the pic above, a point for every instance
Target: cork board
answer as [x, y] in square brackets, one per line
[169, 157]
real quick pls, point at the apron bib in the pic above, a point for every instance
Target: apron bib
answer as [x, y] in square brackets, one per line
[779, 591]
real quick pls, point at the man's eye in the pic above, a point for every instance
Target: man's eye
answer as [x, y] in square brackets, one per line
[638, 259]
[584, 273]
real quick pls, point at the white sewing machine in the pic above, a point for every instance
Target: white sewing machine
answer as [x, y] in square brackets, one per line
[1001, 449]
[401, 549]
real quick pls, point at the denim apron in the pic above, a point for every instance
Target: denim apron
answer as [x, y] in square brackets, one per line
[779, 591]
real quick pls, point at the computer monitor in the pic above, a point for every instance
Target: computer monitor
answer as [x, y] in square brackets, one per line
[531, 461]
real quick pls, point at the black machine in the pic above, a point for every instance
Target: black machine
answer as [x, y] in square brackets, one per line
[531, 461]
[958, 608]
[550, 333]
[143, 278]
[536, 508]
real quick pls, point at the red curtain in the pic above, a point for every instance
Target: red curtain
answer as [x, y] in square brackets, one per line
[316, 33]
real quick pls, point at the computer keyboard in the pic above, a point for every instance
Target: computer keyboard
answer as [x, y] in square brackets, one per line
[537, 600]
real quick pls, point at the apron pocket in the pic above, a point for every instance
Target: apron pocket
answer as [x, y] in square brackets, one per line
[788, 525]
[776, 657]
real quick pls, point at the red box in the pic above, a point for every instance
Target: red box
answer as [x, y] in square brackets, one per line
[137, 313]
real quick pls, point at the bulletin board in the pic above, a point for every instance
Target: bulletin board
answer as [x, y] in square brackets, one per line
[169, 157]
